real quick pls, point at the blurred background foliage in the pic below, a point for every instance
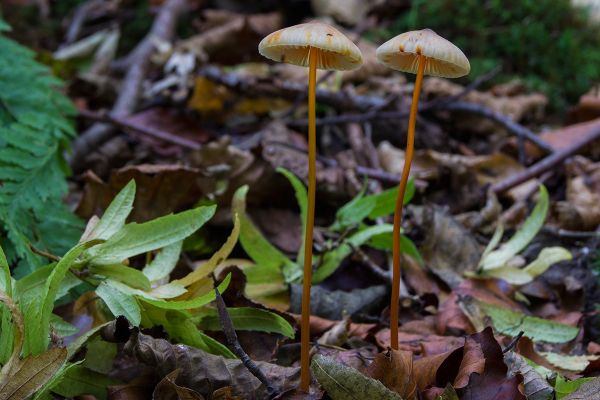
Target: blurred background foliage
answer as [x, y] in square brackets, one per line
[549, 44]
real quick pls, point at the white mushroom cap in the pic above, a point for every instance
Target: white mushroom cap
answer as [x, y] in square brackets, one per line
[444, 59]
[291, 45]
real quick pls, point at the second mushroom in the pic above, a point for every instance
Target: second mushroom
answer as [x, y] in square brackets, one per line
[422, 53]
[317, 46]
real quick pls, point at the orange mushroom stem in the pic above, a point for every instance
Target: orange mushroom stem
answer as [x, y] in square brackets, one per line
[410, 145]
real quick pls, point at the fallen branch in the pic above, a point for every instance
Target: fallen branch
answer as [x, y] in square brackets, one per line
[547, 163]
[163, 29]
[237, 349]
[288, 90]
[127, 123]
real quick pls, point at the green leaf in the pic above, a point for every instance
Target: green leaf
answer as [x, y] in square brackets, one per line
[79, 380]
[523, 236]
[509, 322]
[6, 326]
[81, 340]
[134, 239]
[164, 262]
[547, 257]
[119, 272]
[119, 303]
[62, 328]
[385, 202]
[564, 387]
[353, 212]
[247, 319]
[449, 394]
[346, 383]
[32, 373]
[37, 314]
[302, 199]
[333, 259]
[263, 253]
[116, 214]
[196, 302]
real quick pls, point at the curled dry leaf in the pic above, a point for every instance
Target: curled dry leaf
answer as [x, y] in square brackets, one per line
[205, 372]
[395, 370]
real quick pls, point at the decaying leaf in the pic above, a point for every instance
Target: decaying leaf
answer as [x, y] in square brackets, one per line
[205, 372]
[395, 370]
[346, 383]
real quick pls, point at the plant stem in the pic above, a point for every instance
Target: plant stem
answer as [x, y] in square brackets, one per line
[410, 144]
[310, 220]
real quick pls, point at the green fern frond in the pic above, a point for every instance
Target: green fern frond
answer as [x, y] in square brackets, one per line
[34, 128]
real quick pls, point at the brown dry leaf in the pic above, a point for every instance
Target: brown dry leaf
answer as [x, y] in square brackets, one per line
[581, 210]
[337, 335]
[168, 389]
[448, 248]
[205, 372]
[438, 369]
[473, 361]
[419, 343]
[228, 36]
[563, 137]
[319, 325]
[395, 370]
[161, 189]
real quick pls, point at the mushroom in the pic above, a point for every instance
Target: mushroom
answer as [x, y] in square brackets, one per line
[421, 52]
[313, 45]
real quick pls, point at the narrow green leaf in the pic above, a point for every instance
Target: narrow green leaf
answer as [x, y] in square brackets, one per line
[509, 322]
[386, 200]
[119, 303]
[196, 302]
[164, 262]
[523, 236]
[116, 214]
[254, 243]
[346, 383]
[62, 328]
[547, 257]
[81, 340]
[302, 200]
[564, 387]
[332, 259]
[37, 315]
[119, 272]
[247, 319]
[353, 212]
[79, 380]
[134, 239]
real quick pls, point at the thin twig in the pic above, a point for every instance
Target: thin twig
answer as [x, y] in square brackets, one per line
[547, 163]
[510, 125]
[163, 29]
[513, 342]
[43, 253]
[128, 123]
[237, 349]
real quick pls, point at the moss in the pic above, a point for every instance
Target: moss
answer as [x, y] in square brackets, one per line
[549, 44]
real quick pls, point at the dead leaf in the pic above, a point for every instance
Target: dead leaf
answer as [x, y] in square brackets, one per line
[473, 361]
[30, 374]
[168, 389]
[536, 386]
[438, 370]
[205, 372]
[395, 370]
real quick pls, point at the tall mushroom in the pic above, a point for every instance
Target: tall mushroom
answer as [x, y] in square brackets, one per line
[313, 45]
[421, 52]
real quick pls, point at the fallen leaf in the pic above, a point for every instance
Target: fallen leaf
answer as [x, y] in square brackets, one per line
[395, 370]
[346, 383]
[536, 385]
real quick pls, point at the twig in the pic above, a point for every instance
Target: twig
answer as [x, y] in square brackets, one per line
[372, 173]
[128, 123]
[373, 267]
[546, 163]
[163, 29]
[79, 18]
[510, 125]
[287, 90]
[513, 342]
[43, 253]
[232, 339]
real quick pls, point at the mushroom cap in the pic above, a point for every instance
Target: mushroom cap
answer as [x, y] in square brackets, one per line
[444, 59]
[292, 45]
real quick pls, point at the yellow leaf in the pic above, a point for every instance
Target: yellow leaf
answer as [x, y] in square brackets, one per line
[207, 97]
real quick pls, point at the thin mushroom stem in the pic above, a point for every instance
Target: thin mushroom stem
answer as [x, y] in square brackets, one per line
[310, 219]
[410, 144]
